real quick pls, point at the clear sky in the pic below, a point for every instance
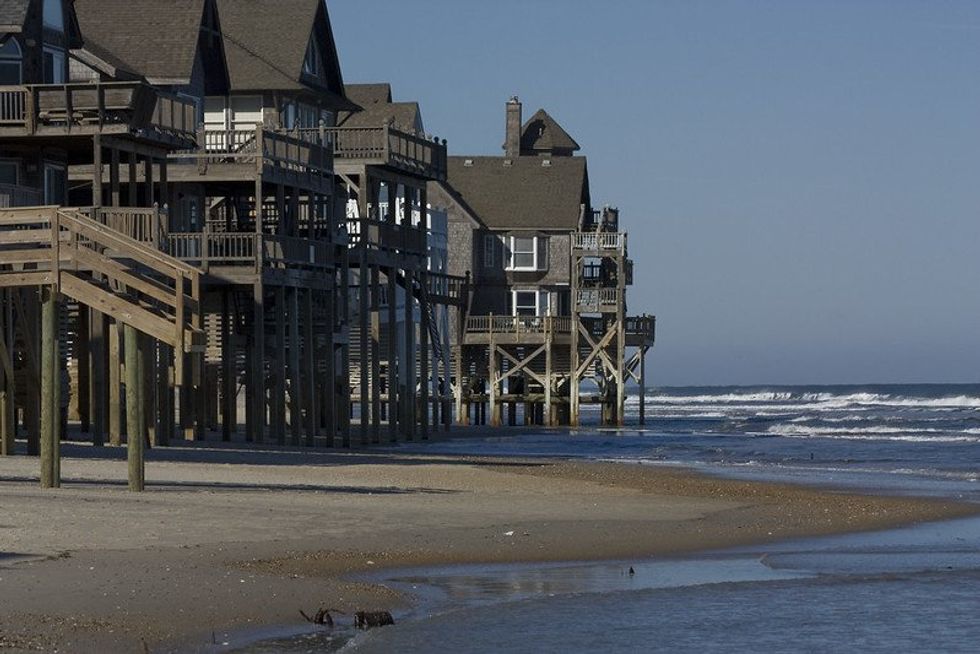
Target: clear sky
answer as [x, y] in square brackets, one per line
[800, 180]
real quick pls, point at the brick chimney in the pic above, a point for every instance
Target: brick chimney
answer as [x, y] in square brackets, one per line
[512, 144]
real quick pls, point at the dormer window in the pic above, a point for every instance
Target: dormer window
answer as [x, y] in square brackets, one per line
[11, 62]
[311, 63]
[54, 15]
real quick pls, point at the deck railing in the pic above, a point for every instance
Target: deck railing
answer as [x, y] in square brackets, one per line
[447, 288]
[143, 224]
[642, 326]
[280, 150]
[80, 105]
[382, 235]
[597, 298]
[597, 241]
[515, 325]
[206, 249]
[18, 196]
[388, 145]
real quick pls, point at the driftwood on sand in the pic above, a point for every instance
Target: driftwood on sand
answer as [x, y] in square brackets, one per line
[370, 619]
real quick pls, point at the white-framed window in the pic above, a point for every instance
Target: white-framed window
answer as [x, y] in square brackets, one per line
[529, 302]
[55, 183]
[11, 63]
[54, 15]
[9, 172]
[489, 249]
[311, 62]
[55, 64]
[526, 253]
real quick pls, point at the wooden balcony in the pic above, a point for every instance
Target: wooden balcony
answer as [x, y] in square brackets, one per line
[639, 330]
[250, 251]
[18, 196]
[388, 146]
[599, 243]
[83, 109]
[380, 235]
[245, 154]
[597, 300]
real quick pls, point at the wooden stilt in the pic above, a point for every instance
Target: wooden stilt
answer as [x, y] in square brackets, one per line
[375, 358]
[393, 369]
[229, 402]
[295, 385]
[279, 370]
[308, 375]
[50, 412]
[134, 436]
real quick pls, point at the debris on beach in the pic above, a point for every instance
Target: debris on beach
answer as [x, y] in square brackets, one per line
[321, 617]
[371, 619]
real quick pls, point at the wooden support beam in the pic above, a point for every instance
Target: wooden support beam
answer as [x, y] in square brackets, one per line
[295, 383]
[278, 367]
[309, 371]
[375, 358]
[229, 402]
[134, 434]
[49, 416]
[408, 362]
[8, 407]
[424, 354]
[364, 355]
[393, 372]
[165, 394]
[257, 378]
[115, 384]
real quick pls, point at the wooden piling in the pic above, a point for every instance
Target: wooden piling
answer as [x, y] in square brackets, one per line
[134, 435]
[50, 443]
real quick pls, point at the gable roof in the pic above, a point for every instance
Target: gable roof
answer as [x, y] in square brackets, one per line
[266, 42]
[376, 108]
[158, 42]
[13, 13]
[525, 193]
[542, 133]
[365, 94]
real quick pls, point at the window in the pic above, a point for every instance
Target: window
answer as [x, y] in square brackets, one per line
[55, 184]
[54, 15]
[529, 302]
[11, 60]
[526, 253]
[311, 63]
[9, 172]
[489, 246]
[54, 65]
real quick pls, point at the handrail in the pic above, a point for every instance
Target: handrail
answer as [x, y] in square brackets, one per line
[393, 146]
[18, 196]
[260, 146]
[514, 325]
[595, 241]
[97, 103]
[382, 235]
[144, 224]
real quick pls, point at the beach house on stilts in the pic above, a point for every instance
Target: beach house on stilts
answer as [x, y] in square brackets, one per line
[546, 329]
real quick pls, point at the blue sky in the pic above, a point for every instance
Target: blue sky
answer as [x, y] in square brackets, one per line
[800, 180]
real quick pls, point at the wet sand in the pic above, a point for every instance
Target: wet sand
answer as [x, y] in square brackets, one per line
[229, 539]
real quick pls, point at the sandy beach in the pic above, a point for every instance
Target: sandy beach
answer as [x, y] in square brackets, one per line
[228, 539]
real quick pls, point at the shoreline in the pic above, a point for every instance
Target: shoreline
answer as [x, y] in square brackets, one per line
[222, 545]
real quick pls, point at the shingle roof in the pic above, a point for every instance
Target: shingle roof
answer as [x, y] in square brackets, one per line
[527, 193]
[365, 94]
[378, 109]
[542, 133]
[158, 43]
[265, 44]
[405, 115]
[13, 13]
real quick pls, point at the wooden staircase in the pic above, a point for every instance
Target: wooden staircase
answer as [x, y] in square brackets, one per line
[104, 269]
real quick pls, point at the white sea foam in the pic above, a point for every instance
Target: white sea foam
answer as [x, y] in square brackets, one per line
[816, 401]
[876, 433]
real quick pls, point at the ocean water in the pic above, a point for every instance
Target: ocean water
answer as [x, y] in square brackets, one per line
[915, 589]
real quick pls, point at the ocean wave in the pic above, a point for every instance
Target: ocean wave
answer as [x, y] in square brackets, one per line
[818, 401]
[876, 433]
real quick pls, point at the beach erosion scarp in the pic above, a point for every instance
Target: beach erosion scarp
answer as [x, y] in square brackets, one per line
[228, 540]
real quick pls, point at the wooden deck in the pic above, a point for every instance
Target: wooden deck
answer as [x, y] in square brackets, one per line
[135, 109]
[386, 146]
